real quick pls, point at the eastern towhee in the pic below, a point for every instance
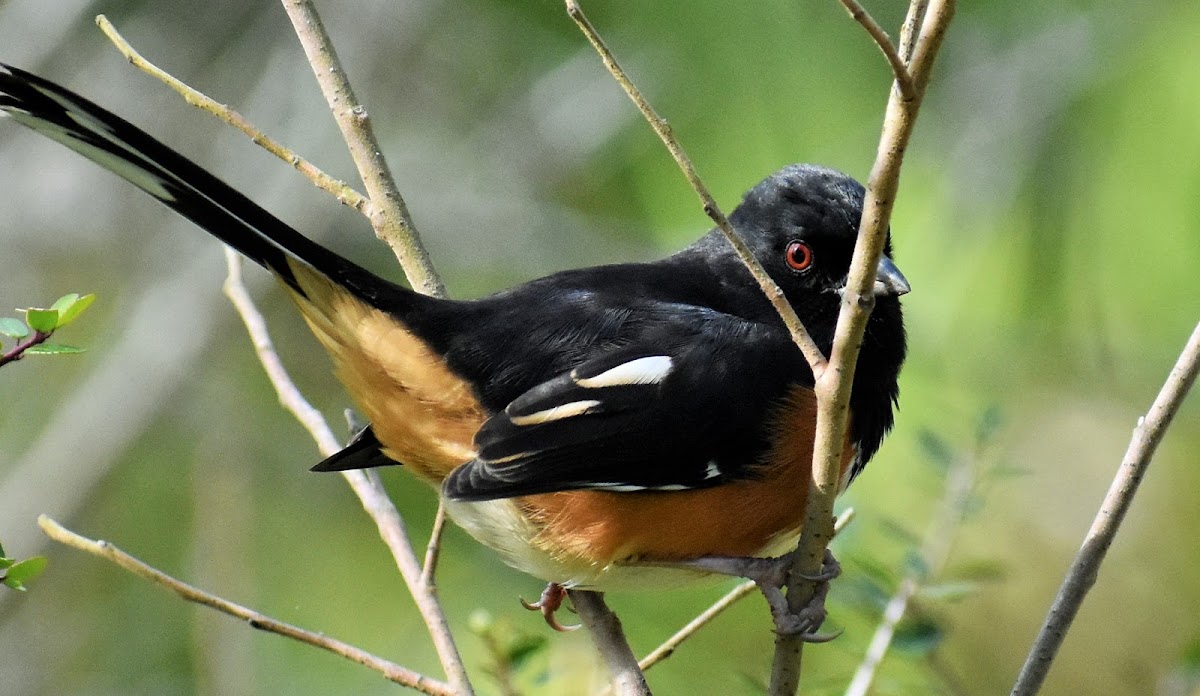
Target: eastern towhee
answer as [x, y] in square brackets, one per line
[600, 428]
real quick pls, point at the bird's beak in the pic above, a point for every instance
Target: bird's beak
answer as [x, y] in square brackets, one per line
[889, 280]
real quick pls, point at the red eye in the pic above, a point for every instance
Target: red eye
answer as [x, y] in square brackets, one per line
[799, 255]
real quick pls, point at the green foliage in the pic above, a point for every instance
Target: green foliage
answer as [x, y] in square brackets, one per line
[15, 574]
[40, 324]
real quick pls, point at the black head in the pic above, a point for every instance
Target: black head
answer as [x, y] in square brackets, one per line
[801, 223]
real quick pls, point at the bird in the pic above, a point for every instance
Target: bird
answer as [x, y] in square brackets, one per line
[619, 426]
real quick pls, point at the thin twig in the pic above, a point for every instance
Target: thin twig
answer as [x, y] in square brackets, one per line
[605, 629]
[912, 28]
[935, 551]
[903, 78]
[339, 189]
[1086, 566]
[390, 670]
[388, 213]
[833, 386]
[778, 300]
[366, 484]
[433, 549]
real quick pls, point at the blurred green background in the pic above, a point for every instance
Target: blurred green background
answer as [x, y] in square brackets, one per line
[1046, 222]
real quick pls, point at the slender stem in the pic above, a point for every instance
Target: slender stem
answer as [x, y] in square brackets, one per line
[18, 351]
[606, 632]
[794, 326]
[1086, 566]
[103, 549]
[366, 484]
[339, 189]
[912, 28]
[833, 386]
[388, 213]
[903, 79]
[434, 547]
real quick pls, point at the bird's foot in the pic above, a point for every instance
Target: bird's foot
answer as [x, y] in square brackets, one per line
[549, 603]
[771, 575]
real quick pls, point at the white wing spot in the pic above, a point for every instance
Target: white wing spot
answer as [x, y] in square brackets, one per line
[648, 370]
[575, 408]
[712, 470]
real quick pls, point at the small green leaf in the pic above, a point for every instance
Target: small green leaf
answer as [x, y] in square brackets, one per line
[13, 327]
[23, 572]
[950, 591]
[6, 563]
[1, 550]
[54, 349]
[74, 308]
[62, 303]
[44, 320]
[918, 636]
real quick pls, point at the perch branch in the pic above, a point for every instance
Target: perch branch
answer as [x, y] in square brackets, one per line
[103, 549]
[605, 629]
[833, 386]
[1086, 566]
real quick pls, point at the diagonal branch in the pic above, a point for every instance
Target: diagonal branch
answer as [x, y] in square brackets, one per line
[339, 189]
[1086, 566]
[605, 629]
[794, 326]
[365, 483]
[903, 78]
[390, 670]
[388, 213]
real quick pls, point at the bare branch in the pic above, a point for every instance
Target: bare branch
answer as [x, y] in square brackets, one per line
[912, 28]
[903, 79]
[833, 386]
[339, 189]
[606, 632]
[366, 484]
[1086, 566]
[794, 326]
[388, 213]
[434, 547]
[390, 670]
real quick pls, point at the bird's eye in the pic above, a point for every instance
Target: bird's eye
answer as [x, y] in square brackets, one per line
[799, 255]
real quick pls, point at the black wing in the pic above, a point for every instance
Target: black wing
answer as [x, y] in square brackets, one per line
[670, 416]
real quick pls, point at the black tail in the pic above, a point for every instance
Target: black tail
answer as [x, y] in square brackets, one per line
[178, 183]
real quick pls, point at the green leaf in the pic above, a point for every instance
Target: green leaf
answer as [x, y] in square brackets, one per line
[918, 636]
[72, 309]
[6, 563]
[13, 327]
[44, 320]
[54, 349]
[23, 572]
[1, 550]
[62, 303]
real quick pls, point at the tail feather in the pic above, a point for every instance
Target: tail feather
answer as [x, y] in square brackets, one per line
[183, 186]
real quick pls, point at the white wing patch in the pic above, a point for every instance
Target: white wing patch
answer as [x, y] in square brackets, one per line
[649, 370]
[575, 408]
[712, 470]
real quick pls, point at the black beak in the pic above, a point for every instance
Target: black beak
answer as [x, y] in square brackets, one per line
[889, 280]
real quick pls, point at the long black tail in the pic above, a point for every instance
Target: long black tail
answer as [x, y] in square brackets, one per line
[180, 184]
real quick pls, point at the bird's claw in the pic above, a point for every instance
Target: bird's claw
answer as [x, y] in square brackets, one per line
[549, 603]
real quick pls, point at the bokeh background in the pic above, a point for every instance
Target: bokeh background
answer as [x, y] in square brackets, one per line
[1047, 222]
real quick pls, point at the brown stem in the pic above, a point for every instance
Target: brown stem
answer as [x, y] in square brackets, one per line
[390, 670]
[1084, 569]
[605, 629]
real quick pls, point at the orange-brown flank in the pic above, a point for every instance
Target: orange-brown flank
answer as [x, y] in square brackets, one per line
[735, 519]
